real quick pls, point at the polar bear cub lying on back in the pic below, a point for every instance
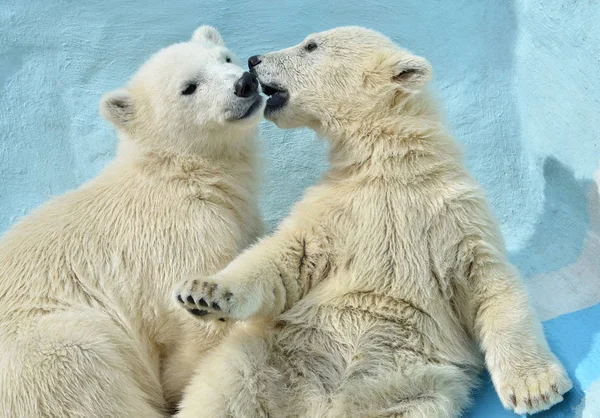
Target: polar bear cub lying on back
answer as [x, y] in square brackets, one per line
[87, 325]
[386, 277]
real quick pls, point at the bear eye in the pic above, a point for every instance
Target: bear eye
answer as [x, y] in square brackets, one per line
[189, 89]
[227, 59]
[311, 46]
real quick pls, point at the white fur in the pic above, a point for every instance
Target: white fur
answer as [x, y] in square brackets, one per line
[388, 276]
[87, 325]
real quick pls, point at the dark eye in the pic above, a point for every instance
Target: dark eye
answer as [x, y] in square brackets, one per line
[227, 59]
[311, 46]
[189, 89]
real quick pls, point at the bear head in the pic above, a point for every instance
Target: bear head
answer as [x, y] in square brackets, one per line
[337, 77]
[187, 97]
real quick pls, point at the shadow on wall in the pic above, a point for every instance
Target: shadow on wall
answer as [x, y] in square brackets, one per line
[563, 226]
[561, 262]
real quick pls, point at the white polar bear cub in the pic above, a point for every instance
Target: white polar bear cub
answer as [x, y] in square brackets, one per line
[386, 278]
[87, 324]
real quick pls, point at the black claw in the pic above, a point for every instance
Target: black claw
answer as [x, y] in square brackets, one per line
[198, 312]
[222, 319]
[215, 306]
[179, 299]
[513, 399]
[190, 299]
[202, 302]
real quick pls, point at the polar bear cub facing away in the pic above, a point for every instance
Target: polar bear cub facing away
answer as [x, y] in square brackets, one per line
[87, 324]
[386, 278]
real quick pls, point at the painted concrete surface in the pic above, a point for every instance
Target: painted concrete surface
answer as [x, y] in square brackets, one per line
[518, 80]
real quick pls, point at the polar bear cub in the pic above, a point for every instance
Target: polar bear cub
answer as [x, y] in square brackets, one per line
[387, 278]
[87, 324]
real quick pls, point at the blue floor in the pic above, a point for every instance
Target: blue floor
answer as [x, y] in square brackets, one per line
[575, 339]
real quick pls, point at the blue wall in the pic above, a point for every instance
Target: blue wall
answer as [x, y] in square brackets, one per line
[518, 79]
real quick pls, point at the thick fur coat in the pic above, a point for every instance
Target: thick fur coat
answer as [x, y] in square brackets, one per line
[388, 286]
[88, 327]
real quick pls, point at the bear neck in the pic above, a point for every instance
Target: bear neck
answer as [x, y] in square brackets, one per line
[392, 146]
[238, 157]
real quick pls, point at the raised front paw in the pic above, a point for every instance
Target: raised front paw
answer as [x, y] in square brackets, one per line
[211, 298]
[534, 389]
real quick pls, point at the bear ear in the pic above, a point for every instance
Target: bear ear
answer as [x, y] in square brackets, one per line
[412, 72]
[117, 107]
[208, 34]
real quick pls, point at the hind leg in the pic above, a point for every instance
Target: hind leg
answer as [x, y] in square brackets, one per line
[422, 391]
[76, 366]
[236, 380]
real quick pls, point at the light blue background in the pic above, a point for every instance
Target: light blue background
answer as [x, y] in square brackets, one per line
[520, 82]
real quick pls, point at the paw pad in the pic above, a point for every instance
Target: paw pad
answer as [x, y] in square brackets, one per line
[198, 312]
[205, 299]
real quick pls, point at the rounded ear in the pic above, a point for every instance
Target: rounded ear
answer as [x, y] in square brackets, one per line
[412, 72]
[117, 107]
[208, 34]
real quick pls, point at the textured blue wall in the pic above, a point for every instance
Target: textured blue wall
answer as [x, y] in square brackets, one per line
[518, 79]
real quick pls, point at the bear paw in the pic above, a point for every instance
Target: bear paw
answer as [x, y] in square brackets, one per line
[210, 298]
[534, 391]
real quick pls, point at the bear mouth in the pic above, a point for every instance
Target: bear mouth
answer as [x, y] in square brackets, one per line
[252, 109]
[278, 97]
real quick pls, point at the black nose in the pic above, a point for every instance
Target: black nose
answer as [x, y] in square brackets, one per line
[247, 85]
[253, 61]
